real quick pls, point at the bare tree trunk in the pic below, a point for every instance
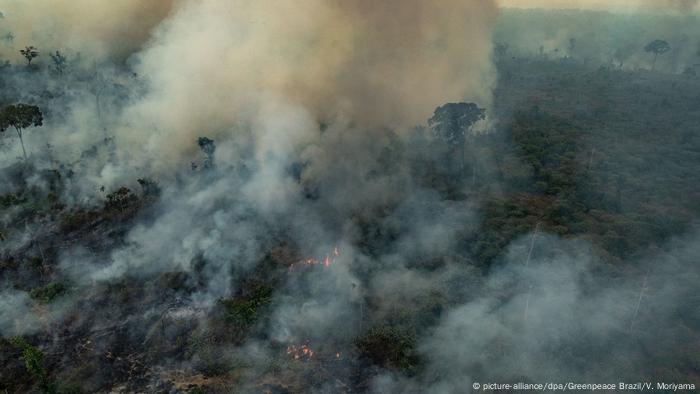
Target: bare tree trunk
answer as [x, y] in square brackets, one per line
[99, 107]
[21, 141]
[639, 300]
[361, 314]
[475, 164]
[527, 262]
[590, 160]
[527, 302]
[532, 243]
[653, 65]
[38, 245]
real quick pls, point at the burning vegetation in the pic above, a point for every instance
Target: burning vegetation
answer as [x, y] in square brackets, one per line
[300, 352]
[326, 262]
[511, 197]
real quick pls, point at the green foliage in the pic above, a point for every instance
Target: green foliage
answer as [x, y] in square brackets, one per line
[20, 116]
[245, 311]
[506, 219]
[208, 147]
[59, 62]
[29, 53]
[550, 145]
[49, 292]
[70, 388]
[598, 154]
[74, 220]
[149, 187]
[120, 199]
[621, 198]
[9, 200]
[452, 121]
[450, 125]
[658, 47]
[34, 363]
[390, 346]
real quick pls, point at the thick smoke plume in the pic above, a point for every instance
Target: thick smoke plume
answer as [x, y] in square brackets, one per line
[381, 64]
[98, 30]
[316, 217]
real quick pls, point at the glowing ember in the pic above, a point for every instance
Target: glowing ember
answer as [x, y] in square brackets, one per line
[300, 352]
[303, 352]
[326, 262]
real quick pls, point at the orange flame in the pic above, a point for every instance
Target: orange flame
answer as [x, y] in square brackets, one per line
[300, 352]
[326, 262]
[304, 352]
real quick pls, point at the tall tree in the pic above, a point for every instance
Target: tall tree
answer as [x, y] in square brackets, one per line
[29, 53]
[623, 53]
[657, 47]
[572, 47]
[208, 147]
[451, 123]
[20, 117]
[59, 62]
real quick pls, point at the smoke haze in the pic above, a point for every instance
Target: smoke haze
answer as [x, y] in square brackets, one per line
[681, 6]
[322, 215]
[380, 64]
[99, 30]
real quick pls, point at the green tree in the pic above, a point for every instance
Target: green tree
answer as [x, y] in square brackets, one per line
[29, 53]
[20, 117]
[149, 187]
[657, 47]
[208, 147]
[120, 199]
[59, 62]
[451, 123]
[34, 363]
[623, 53]
[390, 346]
[572, 47]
